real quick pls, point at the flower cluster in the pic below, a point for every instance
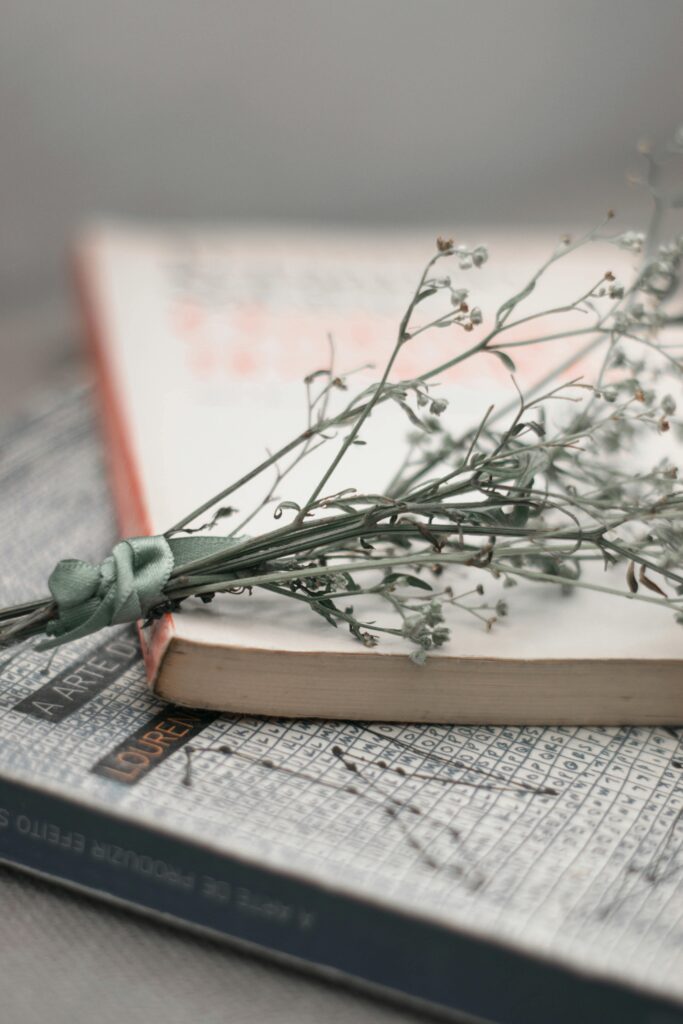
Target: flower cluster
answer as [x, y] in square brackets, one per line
[425, 628]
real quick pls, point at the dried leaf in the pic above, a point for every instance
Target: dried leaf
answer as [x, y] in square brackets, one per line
[650, 584]
[631, 578]
[411, 581]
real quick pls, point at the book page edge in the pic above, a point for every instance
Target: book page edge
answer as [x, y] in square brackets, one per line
[366, 686]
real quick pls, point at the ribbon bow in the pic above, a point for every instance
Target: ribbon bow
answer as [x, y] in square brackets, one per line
[125, 587]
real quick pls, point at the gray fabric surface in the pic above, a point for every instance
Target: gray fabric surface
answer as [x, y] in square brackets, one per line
[67, 959]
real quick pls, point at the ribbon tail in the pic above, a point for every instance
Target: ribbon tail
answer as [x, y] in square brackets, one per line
[100, 618]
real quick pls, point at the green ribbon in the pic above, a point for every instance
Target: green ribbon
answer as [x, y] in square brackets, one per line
[125, 587]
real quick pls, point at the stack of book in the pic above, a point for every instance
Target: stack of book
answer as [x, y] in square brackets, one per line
[510, 871]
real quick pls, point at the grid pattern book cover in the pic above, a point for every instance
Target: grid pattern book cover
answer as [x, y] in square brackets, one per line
[563, 844]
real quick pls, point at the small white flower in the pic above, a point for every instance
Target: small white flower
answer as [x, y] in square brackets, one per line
[631, 240]
[458, 296]
[480, 255]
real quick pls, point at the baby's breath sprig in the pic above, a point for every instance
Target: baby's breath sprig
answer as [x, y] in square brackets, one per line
[528, 493]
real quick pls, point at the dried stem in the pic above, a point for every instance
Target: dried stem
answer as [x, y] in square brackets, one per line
[510, 498]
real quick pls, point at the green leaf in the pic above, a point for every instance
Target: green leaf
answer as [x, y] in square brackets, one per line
[344, 506]
[415, 581]
[326, 607]
[411, 581]
[504, 358]
[286, 505]
[316, 373]
[415, 420]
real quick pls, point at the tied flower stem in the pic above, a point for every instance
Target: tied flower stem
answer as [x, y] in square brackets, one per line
[540, 490]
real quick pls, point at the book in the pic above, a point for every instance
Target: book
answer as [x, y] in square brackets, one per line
[201, 340]
[514, 874]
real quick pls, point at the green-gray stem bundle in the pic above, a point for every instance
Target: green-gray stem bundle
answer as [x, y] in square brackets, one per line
[512, 497]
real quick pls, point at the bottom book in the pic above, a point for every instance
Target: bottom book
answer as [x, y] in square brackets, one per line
[515, 875]
[281, 914]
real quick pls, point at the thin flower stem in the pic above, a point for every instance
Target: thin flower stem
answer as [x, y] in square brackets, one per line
[355, 430]
[524, 493]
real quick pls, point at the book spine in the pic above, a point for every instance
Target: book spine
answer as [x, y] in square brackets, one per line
[271, 911]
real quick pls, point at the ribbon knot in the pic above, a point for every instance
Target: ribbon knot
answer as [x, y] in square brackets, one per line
[123, 588]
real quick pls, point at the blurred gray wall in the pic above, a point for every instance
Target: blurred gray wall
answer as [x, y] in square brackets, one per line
[359, 111]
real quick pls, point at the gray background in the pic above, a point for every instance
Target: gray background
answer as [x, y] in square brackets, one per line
[363, 111]
[351, 111]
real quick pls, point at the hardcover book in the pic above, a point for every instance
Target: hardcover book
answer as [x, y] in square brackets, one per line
[201, 341]
[514, 874]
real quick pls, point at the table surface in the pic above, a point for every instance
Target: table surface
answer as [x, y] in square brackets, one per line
[67, 958]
